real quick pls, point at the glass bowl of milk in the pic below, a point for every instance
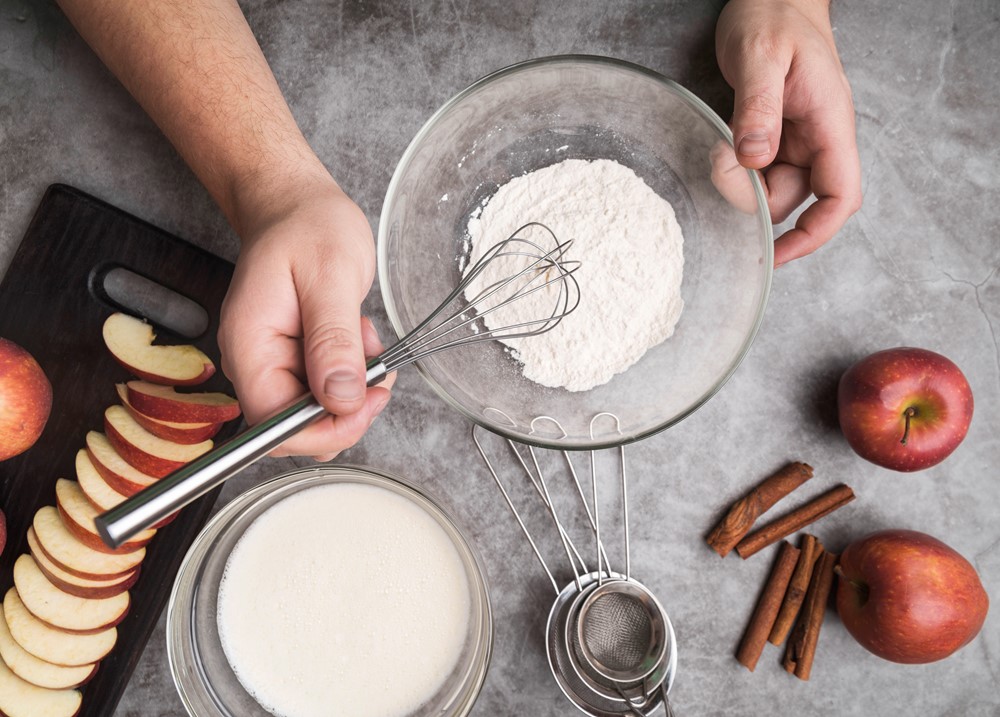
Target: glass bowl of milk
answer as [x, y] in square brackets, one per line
[330, 590]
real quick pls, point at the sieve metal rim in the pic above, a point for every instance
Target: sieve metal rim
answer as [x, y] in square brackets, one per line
[658, 648]
[601, 690]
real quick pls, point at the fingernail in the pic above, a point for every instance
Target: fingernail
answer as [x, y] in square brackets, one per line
[754, 144]
[343, 386]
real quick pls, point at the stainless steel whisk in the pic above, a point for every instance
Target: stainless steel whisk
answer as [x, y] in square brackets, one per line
[453, 323]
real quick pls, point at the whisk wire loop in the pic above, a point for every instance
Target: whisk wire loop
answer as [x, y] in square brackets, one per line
[549, 266]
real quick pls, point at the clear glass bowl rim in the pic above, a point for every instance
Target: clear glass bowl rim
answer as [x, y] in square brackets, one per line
[707, 113]
[178, 607]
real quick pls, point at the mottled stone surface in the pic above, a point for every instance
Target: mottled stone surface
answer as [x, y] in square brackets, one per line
[918, 265]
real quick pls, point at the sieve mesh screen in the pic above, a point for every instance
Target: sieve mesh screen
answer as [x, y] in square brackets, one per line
[617, 631]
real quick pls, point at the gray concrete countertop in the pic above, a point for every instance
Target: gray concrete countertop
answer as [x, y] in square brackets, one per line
[918, 265]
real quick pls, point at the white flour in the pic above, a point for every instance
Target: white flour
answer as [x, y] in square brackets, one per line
[631, 251]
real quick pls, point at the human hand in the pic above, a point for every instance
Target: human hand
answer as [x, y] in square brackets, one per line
[292, 319]
[292, 316]
[793, 115]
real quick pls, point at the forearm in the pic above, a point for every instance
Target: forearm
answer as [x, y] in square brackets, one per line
[197, 70]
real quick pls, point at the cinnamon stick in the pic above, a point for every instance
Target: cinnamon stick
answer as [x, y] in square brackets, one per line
[795, 594]
[744, 512]
[767, 607]
[801, 647]
[798, 519]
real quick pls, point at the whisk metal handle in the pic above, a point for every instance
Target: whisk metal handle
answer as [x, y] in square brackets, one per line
[170, 494]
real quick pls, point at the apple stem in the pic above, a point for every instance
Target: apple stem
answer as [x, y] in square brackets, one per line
[910, 412]
[860, 587]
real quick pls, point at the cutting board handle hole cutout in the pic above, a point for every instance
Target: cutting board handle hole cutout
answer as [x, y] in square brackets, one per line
[135, 294]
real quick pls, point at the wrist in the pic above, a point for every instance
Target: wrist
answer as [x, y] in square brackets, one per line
[274, 189]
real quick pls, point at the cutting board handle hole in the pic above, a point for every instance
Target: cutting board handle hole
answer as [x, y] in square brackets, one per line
[125, 290]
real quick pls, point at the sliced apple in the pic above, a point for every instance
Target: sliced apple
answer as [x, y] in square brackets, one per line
[185, 433]
[130, 341]
[98, 491]
[50, 643]
[144, 451]
[20, 698]
[101, 495]
[78, 515]
[74, 584]
[165, 404]
[65, 550]
[37, 671]
[60, 609]
[119, 474]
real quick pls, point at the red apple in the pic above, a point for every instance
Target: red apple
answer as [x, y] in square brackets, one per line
[906, 409]
[908, 597]
[25, 400]
[130, 341]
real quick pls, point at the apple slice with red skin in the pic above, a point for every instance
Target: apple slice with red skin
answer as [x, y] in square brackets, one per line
[60, 609]
[185, 433]
[51, 644]
[144, 451]
[130, 341]
[119, 474]
[20, 698]
[904, 408]
[166, 404]
[78, 515]
[97, 490]
[73, 584]
[65, 550]
[37, 671]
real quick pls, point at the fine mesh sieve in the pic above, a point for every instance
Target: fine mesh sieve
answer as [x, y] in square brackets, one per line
[639, 692]
[609, 642]
[620, 632]
[596, 697]
[616, 633]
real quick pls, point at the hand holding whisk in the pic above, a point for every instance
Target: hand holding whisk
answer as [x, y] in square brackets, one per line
[453, 323]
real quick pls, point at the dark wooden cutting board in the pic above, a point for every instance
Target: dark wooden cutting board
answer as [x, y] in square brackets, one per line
[48, 306]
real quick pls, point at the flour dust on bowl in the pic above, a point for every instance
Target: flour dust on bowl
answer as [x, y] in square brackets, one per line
[674, 241]
[330, 590]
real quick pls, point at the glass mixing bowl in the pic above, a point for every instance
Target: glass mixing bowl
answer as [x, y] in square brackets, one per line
[535, 114]
[202, 674]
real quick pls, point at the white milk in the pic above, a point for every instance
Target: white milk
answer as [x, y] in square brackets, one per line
[343, 599]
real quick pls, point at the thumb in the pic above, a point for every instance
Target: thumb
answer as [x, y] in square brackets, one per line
[759, 85]
[334, 350]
